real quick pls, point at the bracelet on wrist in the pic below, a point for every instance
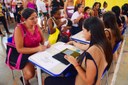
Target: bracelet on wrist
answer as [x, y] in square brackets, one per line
[76, 65]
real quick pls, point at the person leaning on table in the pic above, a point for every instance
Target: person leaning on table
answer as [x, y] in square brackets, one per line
[91, 63]
[29, 39]
[79, 45]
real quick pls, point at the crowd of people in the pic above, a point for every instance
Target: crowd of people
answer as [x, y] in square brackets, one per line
[65, 18]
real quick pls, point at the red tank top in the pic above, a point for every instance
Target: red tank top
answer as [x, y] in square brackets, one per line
[31, 39]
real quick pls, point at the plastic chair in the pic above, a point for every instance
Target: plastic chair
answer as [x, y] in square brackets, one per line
[22, 75]
[116, 47]
[123, 31]
[124, 28]
[104, 78]
[10, 40]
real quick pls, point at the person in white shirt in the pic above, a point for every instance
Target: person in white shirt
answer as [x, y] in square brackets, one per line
[104, 7]
[42, 12]
[76, 17]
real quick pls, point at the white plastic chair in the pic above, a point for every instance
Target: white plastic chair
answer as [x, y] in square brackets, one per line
[22, 75]
[104, 78]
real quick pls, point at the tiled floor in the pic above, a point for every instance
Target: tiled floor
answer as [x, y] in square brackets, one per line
[122, 74]
[6, 74]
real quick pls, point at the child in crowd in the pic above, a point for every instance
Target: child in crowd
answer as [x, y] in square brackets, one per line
[76, 18]
[105, 5]
[86, 12]
[42, 12]
[65, 30]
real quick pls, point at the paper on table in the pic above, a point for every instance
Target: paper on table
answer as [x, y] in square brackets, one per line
[46, 61]
[62, 47]
[52, 50]
[58, 47]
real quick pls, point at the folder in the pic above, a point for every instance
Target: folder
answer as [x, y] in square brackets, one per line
[60, 56]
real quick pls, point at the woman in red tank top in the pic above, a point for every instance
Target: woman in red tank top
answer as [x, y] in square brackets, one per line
[29, 39]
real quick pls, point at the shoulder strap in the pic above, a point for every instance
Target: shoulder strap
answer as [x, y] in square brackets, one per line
[22, 27]
[54, 22]
[106, 69]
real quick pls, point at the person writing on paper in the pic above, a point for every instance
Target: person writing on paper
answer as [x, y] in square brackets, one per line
[29, 39]
[91, 64]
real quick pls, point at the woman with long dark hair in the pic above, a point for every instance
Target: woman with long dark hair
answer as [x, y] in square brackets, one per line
[112, 31]
[95, 9]
[91, 63]
[120, 19]
[111, 28]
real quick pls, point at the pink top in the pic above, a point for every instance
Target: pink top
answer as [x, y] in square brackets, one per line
[31, 39]
[86, 16]
[31, 5]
